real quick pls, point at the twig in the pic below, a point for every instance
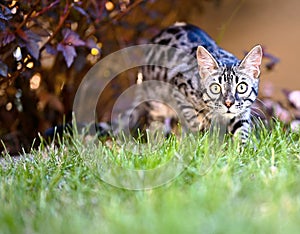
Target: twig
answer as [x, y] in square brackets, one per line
[115, 17]
[225, 25]
[59, 26]
[128, 9]
[28, 16]
[52, 5]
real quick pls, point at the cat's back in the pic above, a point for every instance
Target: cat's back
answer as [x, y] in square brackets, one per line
[188, 37]
[184, 36]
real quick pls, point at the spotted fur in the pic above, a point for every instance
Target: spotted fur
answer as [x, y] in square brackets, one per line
[206, 83]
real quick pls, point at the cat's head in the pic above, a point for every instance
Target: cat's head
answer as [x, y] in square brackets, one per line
[229, 90]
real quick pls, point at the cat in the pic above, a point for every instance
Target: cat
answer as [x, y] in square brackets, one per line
[209, 85]
[204, 85]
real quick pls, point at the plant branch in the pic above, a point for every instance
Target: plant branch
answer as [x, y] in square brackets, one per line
[228, 21]
[59, 26]
[128, 9]
[28, 16]
[52, 5]
[116, 17]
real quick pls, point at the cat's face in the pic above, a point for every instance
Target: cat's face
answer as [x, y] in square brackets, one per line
[229, 91]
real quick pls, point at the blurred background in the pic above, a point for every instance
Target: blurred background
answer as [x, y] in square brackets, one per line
[46, 48]
[275, 24]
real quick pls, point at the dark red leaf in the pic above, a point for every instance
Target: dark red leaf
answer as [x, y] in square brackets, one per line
[2, 26]
[3, 69]
[293, 97]
[5, 13]
[32, 43]
[72, 38]
[50, 49]
[2, 16]
[40, 31]
[6, 38]
[90, 43]
[67, 46]
[286, 93]
[282, 114]
[272, 59]
[81, 11]
[68, 51]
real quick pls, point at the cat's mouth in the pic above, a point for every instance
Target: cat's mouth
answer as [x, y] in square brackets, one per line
[229, 114]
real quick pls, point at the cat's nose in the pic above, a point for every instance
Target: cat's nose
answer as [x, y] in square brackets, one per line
[228, 102]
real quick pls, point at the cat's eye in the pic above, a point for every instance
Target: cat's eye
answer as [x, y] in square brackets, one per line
[242, 88]
[215, 88]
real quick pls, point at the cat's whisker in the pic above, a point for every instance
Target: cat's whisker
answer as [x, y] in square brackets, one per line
[261, 102]
[258, 111]
[257, 121]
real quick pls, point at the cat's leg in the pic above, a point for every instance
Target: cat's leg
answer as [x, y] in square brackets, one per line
[240, 127]
[130, 120]
[148, 111]
[160, 118]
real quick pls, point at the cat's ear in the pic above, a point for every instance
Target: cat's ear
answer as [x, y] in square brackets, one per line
[206, 62]
[252, 61]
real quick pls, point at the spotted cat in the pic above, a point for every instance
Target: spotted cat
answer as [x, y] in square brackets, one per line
[206, 83]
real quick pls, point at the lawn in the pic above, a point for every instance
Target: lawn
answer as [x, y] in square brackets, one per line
[206, 187]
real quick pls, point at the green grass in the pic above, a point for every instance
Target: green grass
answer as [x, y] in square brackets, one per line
[59, 189]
